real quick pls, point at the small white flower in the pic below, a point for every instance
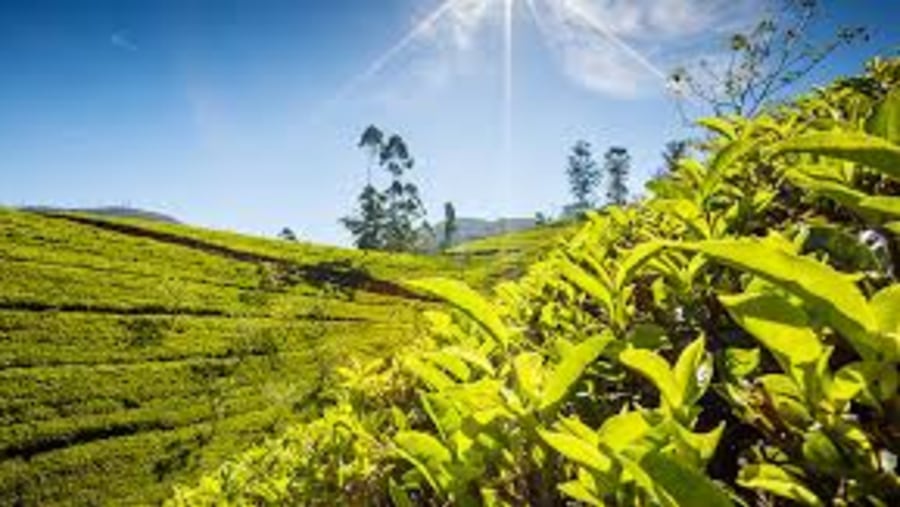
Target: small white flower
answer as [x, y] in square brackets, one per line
[888, 460]
[873, 240]
[704, 373]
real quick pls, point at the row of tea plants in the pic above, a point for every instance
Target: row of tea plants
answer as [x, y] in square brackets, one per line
[733, 339]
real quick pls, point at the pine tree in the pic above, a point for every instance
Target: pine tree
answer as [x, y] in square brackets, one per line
[584, 176]
[618, 163]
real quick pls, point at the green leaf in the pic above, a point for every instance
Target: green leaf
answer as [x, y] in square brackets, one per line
[427, 373]
[575, 360]
[886, 206]
[468, 301]
[620, 430]
[426, 453]
[886, 308]
[693, 371]
[777, 481]
[655, 369]
[634, 260]
[580, 492]
[577, 450]
[871, 151]
[583, 280]
[719, 125]
[885, 119]
[729, 155]
[451, 364]
[529, 369]
[780, 326]
[820, 286]
[821, 453]
[703, 443]
[685, 485]
[741, 362]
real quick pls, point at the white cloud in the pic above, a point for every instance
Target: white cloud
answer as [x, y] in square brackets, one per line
[613, 47]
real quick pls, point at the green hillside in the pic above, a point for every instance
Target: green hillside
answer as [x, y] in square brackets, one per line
[137, 354]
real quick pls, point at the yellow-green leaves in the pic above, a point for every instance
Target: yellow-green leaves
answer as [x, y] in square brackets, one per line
[680, 387]
[468, 301]
[779, 325]
[871, 151]
[578, 450]
[588, 283]
[885, 119]
[427, 454]
[654, 368]
[776, 480]
[719, 125]
[693, 371]
[820, 286]
[574, 361]
[687, 487]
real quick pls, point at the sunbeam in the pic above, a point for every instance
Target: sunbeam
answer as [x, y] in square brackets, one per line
[508, 42]
[604, 30]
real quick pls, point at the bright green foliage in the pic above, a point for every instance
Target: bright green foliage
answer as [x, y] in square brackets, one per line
[731, 340]
[135, 355]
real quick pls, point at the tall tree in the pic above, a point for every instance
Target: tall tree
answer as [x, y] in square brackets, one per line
[781, 49]
[368, 225]
[404, 207]
[372, 140]
[388, 219]
[584, 175]
[450, 225]
[617, 166]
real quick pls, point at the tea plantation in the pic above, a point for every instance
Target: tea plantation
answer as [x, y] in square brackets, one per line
[135, 354]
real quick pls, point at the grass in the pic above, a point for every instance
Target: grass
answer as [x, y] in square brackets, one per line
[135, 354]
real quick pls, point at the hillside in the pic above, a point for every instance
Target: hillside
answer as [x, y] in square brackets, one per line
[109, 211]
[135, 354]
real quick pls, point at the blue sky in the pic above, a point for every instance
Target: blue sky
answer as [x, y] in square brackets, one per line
[244, 115]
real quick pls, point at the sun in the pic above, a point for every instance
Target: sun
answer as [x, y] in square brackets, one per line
[580, 14]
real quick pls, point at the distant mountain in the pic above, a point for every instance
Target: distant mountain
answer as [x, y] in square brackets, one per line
[110, 211]
[468, 229]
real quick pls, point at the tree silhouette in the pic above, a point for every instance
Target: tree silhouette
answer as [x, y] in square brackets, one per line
[388, 219]
[617, 166]
[584, 175]
[672, 154]
[287, 234]
[780, 50]
[450, 225]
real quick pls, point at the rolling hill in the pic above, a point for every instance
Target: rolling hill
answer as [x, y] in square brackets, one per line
[135, 354]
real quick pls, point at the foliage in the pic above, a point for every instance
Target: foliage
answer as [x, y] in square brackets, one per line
[450, 226]
[617, 163]
[725, 341]
[288, 234]
[135, 355]
[387, 219]
[584, 176]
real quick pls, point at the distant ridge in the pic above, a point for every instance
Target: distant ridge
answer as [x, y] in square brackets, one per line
[110, 211]
[468, 229]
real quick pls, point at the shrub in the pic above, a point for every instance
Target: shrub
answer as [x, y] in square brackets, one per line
[733, 339]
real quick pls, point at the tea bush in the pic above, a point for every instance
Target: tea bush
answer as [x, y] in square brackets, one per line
[733, 339]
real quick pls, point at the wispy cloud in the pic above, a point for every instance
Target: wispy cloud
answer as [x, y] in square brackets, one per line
[122, 39]
[613, 47]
